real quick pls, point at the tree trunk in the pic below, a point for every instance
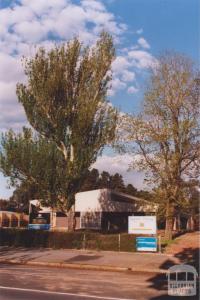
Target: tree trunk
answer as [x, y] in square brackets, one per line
[175, 224]
[190, 223]
[169, 221]
[179, 222]
[71, 219]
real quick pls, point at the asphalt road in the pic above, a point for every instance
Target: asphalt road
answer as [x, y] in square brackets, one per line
[35, 283]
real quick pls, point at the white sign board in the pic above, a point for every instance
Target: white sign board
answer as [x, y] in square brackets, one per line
[142, 225]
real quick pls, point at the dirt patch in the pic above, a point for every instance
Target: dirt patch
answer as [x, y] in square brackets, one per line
[188, 240]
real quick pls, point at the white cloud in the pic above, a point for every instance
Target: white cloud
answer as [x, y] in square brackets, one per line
[121, 74]
[127, 65]
[28, 24]
[96, 5]
[132, 90]
[143, 43]
[42, 6]
[128, 76]
[7, 93]
[71, 21]
[120, 164]
[12, 113]
[14, 119]
[33, 20]
[141, 59]
[34, 31]
[5, 193]
[117, 85]
[119, 64]
[11, 69]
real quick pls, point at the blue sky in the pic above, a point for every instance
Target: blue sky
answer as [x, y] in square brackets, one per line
[142, 29]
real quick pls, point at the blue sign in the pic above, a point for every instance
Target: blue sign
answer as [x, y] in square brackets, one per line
[146, 244]
[39, 226]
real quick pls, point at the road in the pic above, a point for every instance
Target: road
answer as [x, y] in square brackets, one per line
[31, 283]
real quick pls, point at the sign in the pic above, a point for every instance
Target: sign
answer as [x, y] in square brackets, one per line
[146, 244]
[142, 224]
[39, 226]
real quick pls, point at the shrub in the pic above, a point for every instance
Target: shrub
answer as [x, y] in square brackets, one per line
[65, 240]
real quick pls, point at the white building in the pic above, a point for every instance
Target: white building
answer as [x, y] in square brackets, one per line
[101, 209]
[108, 210]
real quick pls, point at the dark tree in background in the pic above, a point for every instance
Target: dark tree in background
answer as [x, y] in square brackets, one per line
[131, 190]
[91, 181]
[117, 183]
[104, 180]
[8, 205]
[28, 190]
[96, 180]
[21, 196]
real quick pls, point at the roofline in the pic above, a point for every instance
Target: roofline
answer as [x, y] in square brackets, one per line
[128, 196]
[118, 193]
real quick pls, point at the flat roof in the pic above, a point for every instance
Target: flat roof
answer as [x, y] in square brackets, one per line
[114, 192]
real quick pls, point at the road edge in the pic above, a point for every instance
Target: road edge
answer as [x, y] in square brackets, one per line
[82, 266]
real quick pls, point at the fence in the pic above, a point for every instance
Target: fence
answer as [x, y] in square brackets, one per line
[66, 240]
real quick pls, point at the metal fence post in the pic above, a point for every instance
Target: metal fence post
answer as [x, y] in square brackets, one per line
[119, 242]
[84, 241]
[159, 243]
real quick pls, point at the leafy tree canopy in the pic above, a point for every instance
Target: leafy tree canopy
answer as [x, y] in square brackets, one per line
[33, 163]
[65, 102]
[164, 137]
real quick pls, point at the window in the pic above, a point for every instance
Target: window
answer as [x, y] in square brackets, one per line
[91, 220]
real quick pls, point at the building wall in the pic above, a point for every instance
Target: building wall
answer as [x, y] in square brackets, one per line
[78, 222]
[89, 201]
[105, 200]
[13, 219]
[61, 222]
[101, 208]
[101, 200]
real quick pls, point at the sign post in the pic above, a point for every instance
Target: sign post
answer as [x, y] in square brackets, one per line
[144, 225]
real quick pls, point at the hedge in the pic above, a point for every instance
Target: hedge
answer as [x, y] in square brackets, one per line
[66, 240]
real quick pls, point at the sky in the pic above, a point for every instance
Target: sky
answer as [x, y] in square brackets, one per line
[142, 30]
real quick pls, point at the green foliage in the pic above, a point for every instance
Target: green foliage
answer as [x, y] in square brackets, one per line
[94, 180]
[128, 243]
[22, 194]
[165, 135]
[35, 163]
[91, 181]
[117, 183]
[65, 240]
[131, 190]
[65, 99]
[65, 102]
[7, 205]
[65, 96]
